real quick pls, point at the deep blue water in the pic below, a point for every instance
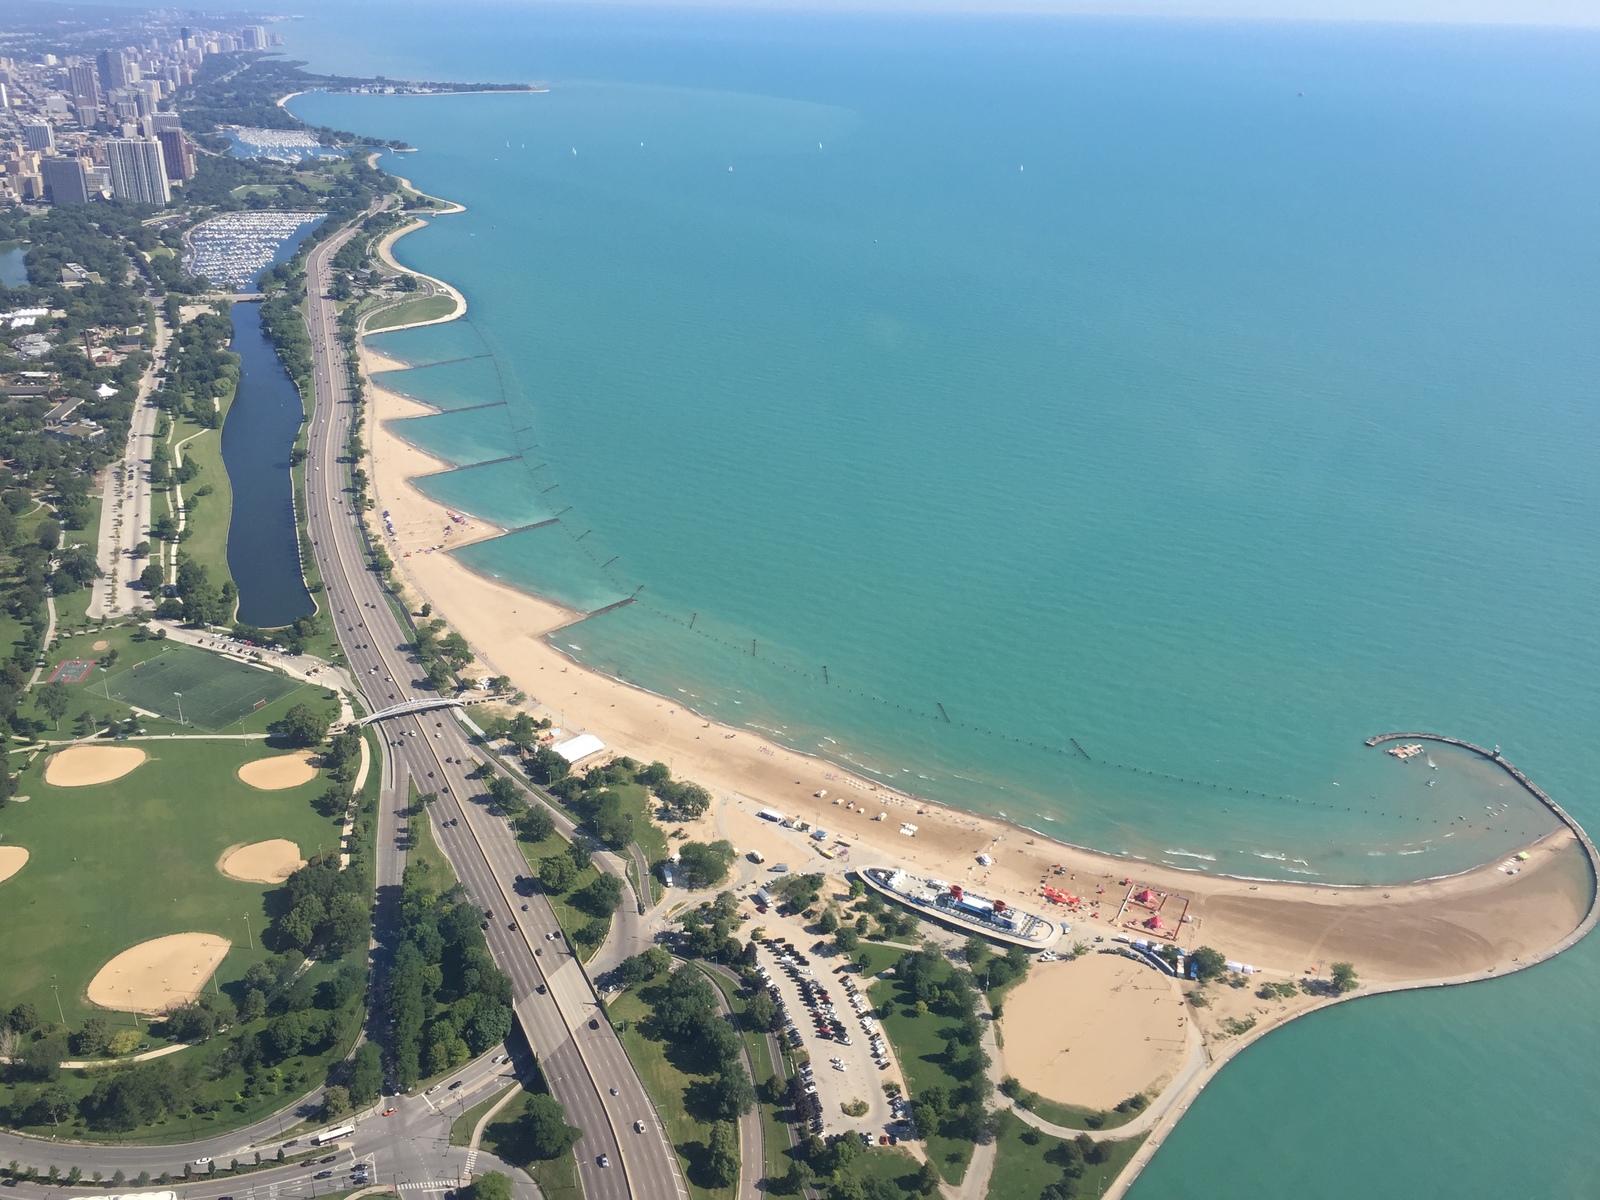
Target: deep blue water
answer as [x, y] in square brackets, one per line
[257, 439]
[1213, 395]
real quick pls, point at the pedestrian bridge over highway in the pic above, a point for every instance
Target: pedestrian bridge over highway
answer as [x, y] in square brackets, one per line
[411, 706]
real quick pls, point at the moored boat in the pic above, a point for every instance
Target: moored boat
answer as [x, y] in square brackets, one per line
[959, 908]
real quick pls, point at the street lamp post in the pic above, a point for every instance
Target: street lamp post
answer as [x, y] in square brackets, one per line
[57, 992]
[250, 936]
[179, 695]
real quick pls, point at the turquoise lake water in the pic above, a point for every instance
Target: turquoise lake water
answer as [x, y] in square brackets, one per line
[1206, 397]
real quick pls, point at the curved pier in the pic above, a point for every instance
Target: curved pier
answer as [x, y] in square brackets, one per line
[1543, 797]
[1170, 1106]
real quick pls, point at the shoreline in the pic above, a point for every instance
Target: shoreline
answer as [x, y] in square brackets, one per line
[1448, 930]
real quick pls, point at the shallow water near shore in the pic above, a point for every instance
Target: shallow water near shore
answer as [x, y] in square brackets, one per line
[1237, 427]
[1059, 456]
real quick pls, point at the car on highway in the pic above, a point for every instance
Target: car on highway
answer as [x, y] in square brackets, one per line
[202, 1162]
[605, 1160]
[389, 1112]
[323, 1175]
[456, 1084]
[500, 1058]
[638, 1126]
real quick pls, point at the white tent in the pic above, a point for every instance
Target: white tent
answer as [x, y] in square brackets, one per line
[581, 746]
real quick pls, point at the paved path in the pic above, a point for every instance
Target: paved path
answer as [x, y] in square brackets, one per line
[125, 502]
[49, 636]
[752, 1151]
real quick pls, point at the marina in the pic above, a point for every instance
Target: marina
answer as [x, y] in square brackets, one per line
[233, 248]
[963, 909]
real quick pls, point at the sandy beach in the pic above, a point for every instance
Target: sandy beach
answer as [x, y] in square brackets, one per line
[1478, 921]
[1471, 922]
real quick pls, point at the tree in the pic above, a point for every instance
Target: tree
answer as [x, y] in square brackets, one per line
[927, 1180]
[1344, 978]
[55, 700]
[49, 534]
[646, 965]
[1208, 963]
[366, 1074]
[93, 1038]
[703, 866]
[302, 726]
[535, 825]
[557, 874]
[580, 853]
[493, 1186]
[731, 1093]
[152, 577]
[722, 1160]
[544, 1127]
[335, 1102]
[506, 794]
[602, 897]
[847, 939]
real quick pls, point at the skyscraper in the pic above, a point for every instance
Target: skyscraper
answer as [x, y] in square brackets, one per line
[65, 180]
[254, 37]
[175, 154]
[39, 135]
[84, 89]
[138, 172]
[165, 120]
[113, 69]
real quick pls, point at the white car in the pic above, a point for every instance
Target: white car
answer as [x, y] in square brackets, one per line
[638, 1126]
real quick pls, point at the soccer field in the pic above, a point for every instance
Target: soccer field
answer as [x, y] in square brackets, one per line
[210, 692]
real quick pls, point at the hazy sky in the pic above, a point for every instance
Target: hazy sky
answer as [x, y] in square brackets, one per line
[1513, 12]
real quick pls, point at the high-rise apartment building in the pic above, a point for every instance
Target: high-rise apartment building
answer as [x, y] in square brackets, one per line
[138, 171]
[176, 156]
[254, 37]
[84, 90]
[65, 180]
[113, 69]
[165, 120]
[39, 135]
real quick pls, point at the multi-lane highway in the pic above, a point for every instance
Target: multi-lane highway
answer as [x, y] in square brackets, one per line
[580, 1054]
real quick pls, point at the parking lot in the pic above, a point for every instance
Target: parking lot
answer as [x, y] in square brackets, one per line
[830, 1019]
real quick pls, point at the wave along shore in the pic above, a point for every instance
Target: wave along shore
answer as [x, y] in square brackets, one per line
[1475, 925]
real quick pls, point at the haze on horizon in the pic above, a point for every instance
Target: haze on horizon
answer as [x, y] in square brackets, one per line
[1570, 13]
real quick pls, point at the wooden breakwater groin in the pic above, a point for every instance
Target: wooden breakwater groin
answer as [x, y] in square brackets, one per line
[1543, 797]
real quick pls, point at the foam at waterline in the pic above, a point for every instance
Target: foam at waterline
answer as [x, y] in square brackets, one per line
[498, 492]
[546, 562]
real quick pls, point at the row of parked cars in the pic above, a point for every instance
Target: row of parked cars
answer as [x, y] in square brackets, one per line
[869, 1024]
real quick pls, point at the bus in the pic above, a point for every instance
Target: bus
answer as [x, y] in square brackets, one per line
[332, 1135]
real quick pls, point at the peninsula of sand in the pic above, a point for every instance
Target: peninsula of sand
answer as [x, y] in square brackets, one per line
[1438, 932]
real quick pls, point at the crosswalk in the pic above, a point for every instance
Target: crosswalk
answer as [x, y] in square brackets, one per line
[430, 1185]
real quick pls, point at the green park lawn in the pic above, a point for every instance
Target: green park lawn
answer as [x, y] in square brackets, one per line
[569, 916]
[115, 864]
[1026, 1162]
[557, 1177]
[668, 1073]
[921, 1051]
[424, 308]
[209, 519]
